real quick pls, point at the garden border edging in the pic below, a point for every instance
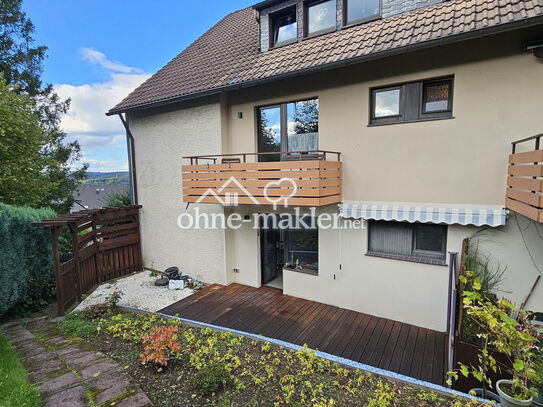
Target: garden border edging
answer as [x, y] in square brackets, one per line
[346, 362]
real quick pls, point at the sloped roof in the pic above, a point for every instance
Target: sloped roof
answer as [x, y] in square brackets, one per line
[228, 56]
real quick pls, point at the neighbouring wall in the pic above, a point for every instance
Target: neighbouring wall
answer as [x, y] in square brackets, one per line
[161, 140]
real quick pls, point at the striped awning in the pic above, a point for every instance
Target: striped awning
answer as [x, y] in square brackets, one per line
[450, 214]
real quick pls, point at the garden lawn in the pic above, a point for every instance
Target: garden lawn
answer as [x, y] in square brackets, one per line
[211, 368]
[15, 390]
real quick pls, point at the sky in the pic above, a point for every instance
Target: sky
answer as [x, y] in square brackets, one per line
[100, 50]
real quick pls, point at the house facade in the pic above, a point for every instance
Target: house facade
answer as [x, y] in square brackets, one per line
[399, 115]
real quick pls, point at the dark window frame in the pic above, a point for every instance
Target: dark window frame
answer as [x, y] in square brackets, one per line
[284, 124]
[347, 23]
[392, 118]
[412, 102]
[286, 247]
[272, 21]
[416, 255]
[306, 5]
[424, 87]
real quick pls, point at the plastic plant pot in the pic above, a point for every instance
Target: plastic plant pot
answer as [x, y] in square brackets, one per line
[508, 401]
[489, 395]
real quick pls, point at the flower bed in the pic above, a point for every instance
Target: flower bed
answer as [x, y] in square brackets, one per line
[187, 366]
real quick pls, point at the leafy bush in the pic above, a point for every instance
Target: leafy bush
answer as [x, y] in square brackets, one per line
[160, 345]
[26, 273]
[75, 324]
[97, 311]
[121, 198]
[211, 379]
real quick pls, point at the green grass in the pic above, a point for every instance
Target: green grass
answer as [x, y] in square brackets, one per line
[15, 390]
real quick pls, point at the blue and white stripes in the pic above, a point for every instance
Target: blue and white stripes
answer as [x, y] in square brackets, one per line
[450, 214]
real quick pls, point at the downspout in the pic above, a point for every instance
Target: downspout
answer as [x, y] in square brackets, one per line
[131, 159]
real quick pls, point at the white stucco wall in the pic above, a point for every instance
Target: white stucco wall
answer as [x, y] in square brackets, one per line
[517, 248]
[161, 140]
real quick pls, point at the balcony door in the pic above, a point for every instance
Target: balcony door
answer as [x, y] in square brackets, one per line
[288, 127]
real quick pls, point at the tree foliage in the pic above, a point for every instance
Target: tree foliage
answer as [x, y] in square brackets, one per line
[35, 159]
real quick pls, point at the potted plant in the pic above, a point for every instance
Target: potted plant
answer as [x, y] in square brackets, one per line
[514, 337]
[538, 381]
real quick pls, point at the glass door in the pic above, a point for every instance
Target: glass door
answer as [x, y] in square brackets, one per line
[288, 127]
[271, 253]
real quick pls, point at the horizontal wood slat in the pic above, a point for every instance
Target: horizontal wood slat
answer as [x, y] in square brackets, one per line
[525, 209]
[527, 157]
[526, 170]
[317, 183]
[525, 184]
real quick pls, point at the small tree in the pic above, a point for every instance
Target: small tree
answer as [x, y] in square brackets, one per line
[513, 337]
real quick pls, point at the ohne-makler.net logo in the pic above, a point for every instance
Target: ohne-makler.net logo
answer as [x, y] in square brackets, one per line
[276, 193]
[300, 219]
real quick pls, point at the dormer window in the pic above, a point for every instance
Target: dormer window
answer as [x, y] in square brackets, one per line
[320, 17]
[360, 11]
[284, 27]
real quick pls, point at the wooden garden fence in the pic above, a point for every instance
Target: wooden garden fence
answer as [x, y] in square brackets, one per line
[105, 244]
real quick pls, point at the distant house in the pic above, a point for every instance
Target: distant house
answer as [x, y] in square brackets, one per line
[94, 197]
[422, 99]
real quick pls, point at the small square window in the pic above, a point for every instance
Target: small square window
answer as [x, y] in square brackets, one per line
[362, 10]
[284, 27]
[321, 17]
[436, 97]
[429, 240]
[386, 103]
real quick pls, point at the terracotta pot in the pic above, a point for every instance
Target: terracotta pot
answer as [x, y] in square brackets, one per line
[508, 401]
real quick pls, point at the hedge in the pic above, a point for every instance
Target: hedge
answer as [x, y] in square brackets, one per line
[26, 273]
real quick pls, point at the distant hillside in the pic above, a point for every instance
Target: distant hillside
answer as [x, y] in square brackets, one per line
[106, 178]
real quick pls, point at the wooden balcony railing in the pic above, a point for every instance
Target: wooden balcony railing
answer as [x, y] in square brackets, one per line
[305, 178]
[525, 182]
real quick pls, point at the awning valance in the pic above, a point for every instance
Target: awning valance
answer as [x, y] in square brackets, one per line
[450, 214]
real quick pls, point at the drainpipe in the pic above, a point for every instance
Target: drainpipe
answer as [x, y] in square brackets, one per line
[131, 159]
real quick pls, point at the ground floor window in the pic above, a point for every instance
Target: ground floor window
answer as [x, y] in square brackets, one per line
[421, 242]
[302, 249]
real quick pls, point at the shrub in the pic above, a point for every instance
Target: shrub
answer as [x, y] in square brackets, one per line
[121, 198]
[75, 324]
[26, 273]
[160, 345]
[212, 379]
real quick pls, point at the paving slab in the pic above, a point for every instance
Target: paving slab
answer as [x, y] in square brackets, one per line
[39, 357]
[85, 359]
[67, 350]
[99, 368]
[110, 386]
[139, 399]
[52, 364]
[72, 397]
[59, 383]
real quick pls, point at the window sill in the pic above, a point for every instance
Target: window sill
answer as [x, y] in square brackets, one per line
[411, 259]
[283, 44]
[410, 121]
[319, 33]
[361, 21]
[303, 271]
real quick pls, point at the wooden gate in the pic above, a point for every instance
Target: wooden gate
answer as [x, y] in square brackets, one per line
[105, 245]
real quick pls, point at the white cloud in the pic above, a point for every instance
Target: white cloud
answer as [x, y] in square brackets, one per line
[98, 58]
[86, 120]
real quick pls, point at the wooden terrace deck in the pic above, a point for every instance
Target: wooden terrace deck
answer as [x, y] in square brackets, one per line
[379, 342]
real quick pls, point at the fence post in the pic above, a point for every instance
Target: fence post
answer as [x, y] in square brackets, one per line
[97, 256]
[55, 232]
[75, 251]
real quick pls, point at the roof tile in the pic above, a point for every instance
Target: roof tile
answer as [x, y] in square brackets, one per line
[229, 52]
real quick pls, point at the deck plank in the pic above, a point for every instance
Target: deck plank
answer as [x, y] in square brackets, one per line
[387, 344]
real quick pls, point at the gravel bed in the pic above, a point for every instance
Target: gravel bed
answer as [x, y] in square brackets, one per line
[138, 290]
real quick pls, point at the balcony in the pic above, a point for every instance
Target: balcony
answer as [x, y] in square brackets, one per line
[525, 182]
[308, 178]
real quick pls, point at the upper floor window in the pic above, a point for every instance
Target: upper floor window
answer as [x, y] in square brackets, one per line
[320, 17]
[358, 11]
[288, 127]
[284, 27]
[413, 101]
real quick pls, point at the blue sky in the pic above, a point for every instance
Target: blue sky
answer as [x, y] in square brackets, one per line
[100, 50]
